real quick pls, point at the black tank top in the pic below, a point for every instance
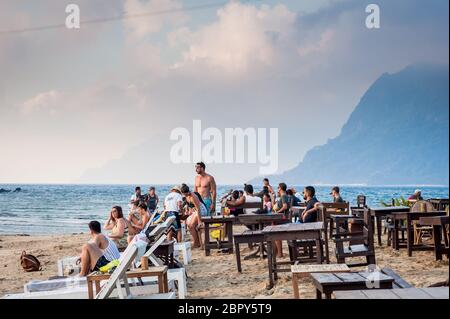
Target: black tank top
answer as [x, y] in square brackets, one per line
[151, 202]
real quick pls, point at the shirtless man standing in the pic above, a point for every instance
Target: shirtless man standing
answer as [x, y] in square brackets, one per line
[205, 185]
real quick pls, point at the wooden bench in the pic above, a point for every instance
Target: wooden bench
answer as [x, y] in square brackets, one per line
[327, 283]
[247, 237]
[302, 271]
[407, 293]
[399, 282]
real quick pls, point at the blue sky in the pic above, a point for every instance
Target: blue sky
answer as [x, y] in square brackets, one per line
[75, 104]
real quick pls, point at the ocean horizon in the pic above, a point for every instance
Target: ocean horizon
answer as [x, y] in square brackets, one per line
[43, 209]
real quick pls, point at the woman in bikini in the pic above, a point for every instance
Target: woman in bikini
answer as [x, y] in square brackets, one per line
[199, 209]
[118, 226]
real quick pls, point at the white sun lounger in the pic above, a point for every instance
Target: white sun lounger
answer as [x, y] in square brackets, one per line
[112, 288]
[71, 283]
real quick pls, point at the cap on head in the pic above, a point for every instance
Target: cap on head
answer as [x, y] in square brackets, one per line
[176, 188]
[417, 191]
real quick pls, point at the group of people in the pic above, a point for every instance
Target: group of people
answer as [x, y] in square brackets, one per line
[188, 206]
[182, 203]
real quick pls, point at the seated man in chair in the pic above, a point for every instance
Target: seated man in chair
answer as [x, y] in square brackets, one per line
[98, 252]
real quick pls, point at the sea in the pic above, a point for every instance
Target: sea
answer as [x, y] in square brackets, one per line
[67, 209]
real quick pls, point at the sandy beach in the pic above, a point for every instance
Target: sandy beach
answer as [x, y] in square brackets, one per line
[215, 276]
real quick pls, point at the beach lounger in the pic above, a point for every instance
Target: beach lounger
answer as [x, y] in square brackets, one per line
[176, 277]
[112, 288]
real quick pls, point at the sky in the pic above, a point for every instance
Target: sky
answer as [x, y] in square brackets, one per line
[98, 104]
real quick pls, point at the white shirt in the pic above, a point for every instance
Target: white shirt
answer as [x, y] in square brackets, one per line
[171, 202]
[251, 199]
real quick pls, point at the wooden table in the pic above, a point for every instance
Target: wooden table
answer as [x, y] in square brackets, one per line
[160, 272]
[436, 222]
[224, 220]
[410, 217]
[407, 293]
[327, 283]
[165, 252]
[381, 212]
[302, 271]
[309, 231]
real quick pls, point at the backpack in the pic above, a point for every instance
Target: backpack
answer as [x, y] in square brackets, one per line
[29, 262]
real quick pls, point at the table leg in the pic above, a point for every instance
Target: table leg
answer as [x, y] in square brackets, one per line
[269, 263]
[166, 283]
[160, 284]
[97, 286]
[295, 286]
[229, 227]
[207, 249]
[378, 219]
[409, 236]
[318, 294]
[90, 285]
[437, 242]
[238, 257]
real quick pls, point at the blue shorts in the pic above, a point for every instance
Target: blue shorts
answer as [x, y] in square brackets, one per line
[208, 203]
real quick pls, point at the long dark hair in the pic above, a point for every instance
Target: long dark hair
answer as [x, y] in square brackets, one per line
[119, 212]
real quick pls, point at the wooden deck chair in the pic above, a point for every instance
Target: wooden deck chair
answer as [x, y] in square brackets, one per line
[422, 232]
[119, 275]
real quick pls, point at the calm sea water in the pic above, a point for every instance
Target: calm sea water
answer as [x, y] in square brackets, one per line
[66, 209]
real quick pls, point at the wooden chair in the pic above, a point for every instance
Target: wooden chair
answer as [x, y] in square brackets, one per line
[361, 201]
[421, 232]
[327, 209]
[365, 249]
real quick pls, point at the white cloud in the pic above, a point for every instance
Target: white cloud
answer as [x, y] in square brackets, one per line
[46, 101]
[244, 36]
[317, 47]
[161, 12]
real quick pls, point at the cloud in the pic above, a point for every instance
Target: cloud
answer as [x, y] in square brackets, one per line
[317, 47]
[244, 37]
[161, 12]
[42, 102]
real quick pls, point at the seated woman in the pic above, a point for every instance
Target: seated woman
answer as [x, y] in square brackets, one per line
[98, 252]
[199, 209]
[137, 220]
[118, 226]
